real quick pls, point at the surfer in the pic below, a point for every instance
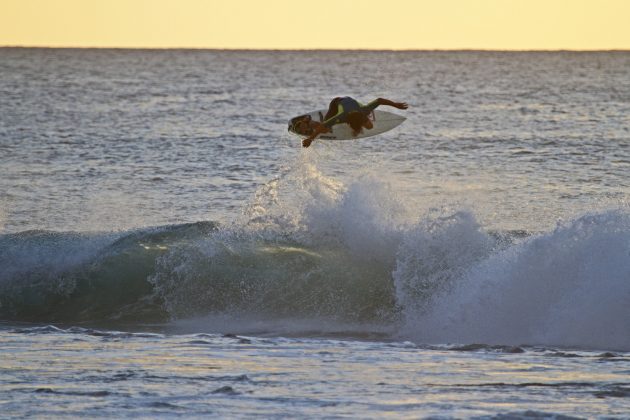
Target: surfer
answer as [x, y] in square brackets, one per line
[345, 110]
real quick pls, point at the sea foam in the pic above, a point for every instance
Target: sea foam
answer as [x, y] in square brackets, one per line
[568, 287]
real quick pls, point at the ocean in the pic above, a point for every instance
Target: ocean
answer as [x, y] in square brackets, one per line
[168, 249]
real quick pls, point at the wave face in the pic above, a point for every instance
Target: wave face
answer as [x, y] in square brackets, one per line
[310, 248]
[70, 277]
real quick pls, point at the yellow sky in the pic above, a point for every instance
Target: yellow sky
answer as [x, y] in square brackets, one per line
[297, 24]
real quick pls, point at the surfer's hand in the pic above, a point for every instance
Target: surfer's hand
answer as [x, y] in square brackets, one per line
[401, 105]
[321, 128]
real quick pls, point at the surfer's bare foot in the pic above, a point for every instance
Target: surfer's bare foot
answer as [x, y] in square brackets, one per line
[306, 142]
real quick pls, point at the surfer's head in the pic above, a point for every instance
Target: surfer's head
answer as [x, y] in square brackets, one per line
[302, 125]
[357, 121]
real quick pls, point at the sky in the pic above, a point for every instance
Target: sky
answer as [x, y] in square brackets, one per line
[326, 24]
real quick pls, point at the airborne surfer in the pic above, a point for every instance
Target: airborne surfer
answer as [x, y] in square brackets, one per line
[342, 110]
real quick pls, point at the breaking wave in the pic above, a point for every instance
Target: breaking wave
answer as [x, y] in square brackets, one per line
[311, 248]
[568, 287]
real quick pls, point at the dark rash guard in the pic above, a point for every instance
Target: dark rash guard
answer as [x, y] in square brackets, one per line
[347, 105]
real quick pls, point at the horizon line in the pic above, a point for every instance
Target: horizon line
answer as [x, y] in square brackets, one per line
[313, 49]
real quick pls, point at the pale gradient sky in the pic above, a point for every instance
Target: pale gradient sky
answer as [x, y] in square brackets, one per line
[337, 24]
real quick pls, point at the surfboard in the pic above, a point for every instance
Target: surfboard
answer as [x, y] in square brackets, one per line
[383, 121]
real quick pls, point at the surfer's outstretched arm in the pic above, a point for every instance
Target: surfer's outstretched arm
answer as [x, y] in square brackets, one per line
[399, 105]
[382, 101]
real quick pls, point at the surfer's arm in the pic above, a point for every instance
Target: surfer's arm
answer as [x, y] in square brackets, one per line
[382, 101]
[321, 128]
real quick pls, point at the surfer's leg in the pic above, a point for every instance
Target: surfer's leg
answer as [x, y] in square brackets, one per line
[332, 108]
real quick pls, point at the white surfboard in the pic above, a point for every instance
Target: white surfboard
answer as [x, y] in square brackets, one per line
[383, 121]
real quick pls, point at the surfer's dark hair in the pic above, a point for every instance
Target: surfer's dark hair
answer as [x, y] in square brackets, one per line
[355, 120]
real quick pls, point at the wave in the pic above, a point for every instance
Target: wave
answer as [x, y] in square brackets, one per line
[181, 271]
[318, 255]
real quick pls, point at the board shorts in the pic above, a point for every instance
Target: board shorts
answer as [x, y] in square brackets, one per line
[345, 106]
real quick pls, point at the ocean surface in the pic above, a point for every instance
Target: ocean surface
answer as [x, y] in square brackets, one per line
[167, 249]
